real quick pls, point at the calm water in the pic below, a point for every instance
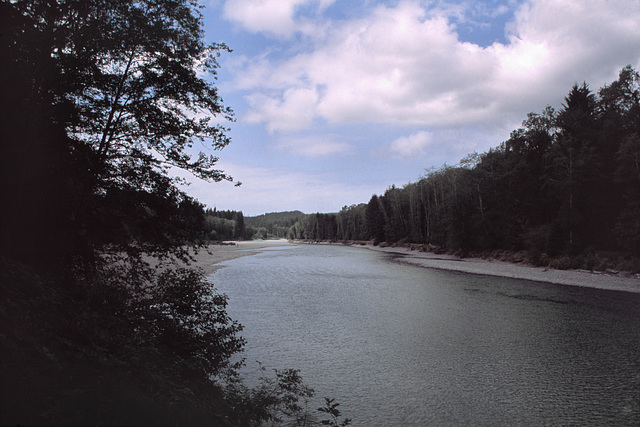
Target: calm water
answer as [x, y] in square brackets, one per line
[400, 345]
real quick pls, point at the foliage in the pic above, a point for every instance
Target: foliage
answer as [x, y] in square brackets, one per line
[185, 316]
[224, 225]
[282, 399]
[74, 355]
[101, 99]
[261, 233]
[331, 408]
[275, 224]
[276, 400]
[171, 317]
[130, 79]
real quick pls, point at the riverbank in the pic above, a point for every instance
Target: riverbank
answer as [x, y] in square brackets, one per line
[617, 282]
[210, 260]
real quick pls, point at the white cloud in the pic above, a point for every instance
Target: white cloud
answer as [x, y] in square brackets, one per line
[277, 17]
[412, 145]
[294, 111]
[405, 65]
[257, 15]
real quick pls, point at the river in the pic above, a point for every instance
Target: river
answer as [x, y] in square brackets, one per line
[400, 345]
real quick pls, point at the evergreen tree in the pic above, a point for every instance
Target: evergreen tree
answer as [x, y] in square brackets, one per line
[374, 220]
[574, 166]
[620, 111]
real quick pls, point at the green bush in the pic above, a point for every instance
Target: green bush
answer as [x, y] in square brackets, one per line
[187, 317]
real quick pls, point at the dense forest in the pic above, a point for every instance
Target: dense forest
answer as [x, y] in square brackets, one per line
[273, 225]
[212, 225]
[566, 183]
[224, 225]
[101, 322]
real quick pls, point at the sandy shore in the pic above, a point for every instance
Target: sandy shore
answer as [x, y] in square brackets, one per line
[210, 260]
[617, 282]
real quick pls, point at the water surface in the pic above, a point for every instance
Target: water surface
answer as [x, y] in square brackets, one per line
[400, 345]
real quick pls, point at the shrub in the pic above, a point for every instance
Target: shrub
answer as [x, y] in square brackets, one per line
[185, 315]
[274, 401]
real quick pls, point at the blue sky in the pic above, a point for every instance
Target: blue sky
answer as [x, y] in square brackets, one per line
[336, 100]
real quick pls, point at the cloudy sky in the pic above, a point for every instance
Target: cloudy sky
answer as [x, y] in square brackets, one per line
[336, 100]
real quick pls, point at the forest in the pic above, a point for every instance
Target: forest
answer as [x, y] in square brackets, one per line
[273, 225]
[224, 225]
[565, 185]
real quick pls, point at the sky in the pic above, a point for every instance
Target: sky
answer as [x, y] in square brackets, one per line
[337, 100]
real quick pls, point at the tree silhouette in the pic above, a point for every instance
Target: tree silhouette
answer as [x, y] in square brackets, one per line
[119, 91]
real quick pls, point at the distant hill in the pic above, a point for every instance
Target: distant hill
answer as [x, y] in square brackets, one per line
[274, 224]
[274, 218]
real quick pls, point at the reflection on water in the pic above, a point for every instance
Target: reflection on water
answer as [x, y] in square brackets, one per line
[400, 345]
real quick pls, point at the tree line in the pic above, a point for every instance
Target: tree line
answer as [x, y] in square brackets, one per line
[272, 225]
[224, 225]
[565, 183]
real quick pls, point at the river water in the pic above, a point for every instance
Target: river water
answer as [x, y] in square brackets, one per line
[400, 345]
